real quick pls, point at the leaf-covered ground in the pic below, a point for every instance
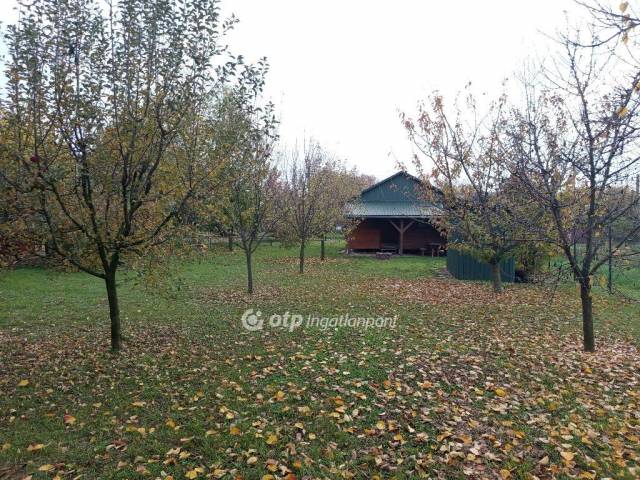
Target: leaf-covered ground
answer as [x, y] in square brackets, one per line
[466, 385]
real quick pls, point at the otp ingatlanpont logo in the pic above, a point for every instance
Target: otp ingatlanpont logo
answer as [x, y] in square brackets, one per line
[252, 321]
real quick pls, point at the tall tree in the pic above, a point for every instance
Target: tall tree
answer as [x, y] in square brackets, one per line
[105, 116]
[308, 195]
[250, 178]
[574, 146]
[342, 186]
[480, 209]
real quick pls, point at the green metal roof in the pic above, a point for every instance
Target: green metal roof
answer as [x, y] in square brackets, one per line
[396, 196]
[392, 210]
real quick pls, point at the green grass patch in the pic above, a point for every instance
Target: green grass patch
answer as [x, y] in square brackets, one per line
[466, 384]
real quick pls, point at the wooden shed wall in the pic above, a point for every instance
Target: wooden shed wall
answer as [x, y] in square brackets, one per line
[376, 233]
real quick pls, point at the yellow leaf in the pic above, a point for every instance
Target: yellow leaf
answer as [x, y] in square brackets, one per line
[587, 475]
[272, 439]
[191, 474]
[234, 431]
[23, 383]
[6, 446]
[230, 416]
[380, 425]
[252, 460]
[170, 423]
[622, 112]
[268, 477]
[280, 395]
[47, 467]
[568, 456]
[505, 474]
[624, 6]
[138, 404]
[500, 392]
[34, 447]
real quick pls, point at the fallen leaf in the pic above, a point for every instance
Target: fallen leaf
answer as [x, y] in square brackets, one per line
[69, 419]
[567, 456]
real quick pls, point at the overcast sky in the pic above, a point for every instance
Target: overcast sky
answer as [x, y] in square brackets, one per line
[341, 70]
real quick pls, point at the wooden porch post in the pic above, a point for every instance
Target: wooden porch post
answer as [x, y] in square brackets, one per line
[401, 229]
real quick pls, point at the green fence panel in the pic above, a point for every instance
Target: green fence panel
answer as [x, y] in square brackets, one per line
[465, 267]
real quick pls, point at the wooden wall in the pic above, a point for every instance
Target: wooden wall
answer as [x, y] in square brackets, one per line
[374, 233]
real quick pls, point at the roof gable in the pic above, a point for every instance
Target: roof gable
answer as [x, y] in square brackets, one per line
[400, 187]
[397, 196]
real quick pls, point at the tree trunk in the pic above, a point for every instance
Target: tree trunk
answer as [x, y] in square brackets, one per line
[496, 279]
[302, 256]
[231, 242]
[249, 272]
[587, 316]
[114, 310]
[322, 256]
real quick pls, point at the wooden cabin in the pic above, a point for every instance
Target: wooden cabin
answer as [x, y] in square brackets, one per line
[394, 217]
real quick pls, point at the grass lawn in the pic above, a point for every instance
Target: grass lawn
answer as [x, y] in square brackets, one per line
[464, 385]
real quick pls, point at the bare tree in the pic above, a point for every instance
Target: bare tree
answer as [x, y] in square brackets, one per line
[574, 147]
[612, 26]
[309, 197]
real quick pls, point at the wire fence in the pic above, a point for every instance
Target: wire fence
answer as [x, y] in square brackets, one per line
[619, 277]
[625, 277]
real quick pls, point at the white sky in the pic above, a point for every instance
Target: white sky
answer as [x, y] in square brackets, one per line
[342, 69]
